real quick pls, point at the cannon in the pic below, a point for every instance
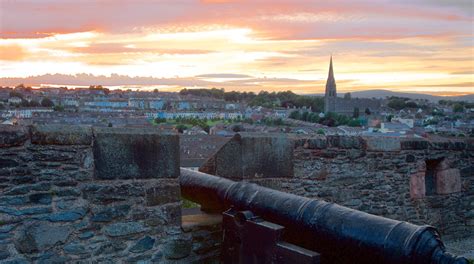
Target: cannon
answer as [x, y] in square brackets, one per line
[338, 233]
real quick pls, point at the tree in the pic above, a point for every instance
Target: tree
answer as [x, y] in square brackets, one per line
[295, 115]
[46, 102]
[34, 103]
[354, 123]
[367, 111]
[411, 105]
[58, 108]
[347, 96]
[355, 114]
[181, 128]
[159, 120]
[458, 108]
[16, 94]
[396, 103]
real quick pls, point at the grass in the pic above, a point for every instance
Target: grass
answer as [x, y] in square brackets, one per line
[189, 204]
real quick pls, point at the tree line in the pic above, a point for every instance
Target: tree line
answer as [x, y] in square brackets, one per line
[263, 98]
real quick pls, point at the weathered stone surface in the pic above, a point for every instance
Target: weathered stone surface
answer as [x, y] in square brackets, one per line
[414, 144]
[52, 258]
[410, 158]
[8, 163]
[86, 235]
[68, 216]
[4, 253]
[167, 193]
[123, 229]
[448, 181]
[177, 247]
[26, 211]
[345, 142]
[40, 198]
[142, 154]
[24, 189]
[110, 213]
[417, 185]
[61, 135]
[316, 143]
[383, 143]
[75, 249]
[143, 245]
[249, 155]
[12, 136]
[110, 248]
[41, 236]
[106, 194]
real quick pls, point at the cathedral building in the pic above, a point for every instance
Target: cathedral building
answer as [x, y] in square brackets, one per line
[345, 106]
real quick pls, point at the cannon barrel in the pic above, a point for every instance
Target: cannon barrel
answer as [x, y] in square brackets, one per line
[339, 234]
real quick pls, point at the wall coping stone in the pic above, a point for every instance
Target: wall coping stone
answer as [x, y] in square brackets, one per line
[61, 135]
[135, 154]
[12, 135]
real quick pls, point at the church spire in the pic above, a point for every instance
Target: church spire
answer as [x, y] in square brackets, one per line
[330, 96]
[331, 82]
[331, 72]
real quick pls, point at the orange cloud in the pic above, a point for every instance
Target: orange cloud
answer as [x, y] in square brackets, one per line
[12, 53]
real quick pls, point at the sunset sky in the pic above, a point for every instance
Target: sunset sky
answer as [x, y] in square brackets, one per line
[405, 45]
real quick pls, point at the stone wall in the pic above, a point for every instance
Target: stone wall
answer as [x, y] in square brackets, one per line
[84, 195]
[417, 180]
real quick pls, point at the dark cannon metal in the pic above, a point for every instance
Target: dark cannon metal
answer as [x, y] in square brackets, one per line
[339, 234]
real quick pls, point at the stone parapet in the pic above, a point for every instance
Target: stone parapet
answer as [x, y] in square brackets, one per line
[85, 195]
[420, 180]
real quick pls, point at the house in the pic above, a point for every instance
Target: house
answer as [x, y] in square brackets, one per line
[410, 122]
[14, 100]
[387, 127]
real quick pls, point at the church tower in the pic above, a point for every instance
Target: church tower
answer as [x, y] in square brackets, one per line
[330, 96]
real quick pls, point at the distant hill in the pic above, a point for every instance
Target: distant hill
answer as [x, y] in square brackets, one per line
[385, 93]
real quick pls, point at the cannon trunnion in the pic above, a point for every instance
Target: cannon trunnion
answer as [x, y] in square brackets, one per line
[339, 234]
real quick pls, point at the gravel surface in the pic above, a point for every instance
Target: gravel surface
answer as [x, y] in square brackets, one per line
[463, 247]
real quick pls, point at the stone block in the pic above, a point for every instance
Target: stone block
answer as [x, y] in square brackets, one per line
[163, 194]
[61, 135]
[75, 249]
[383, 143]
[109, 213]
[68, 216]
[251, 155]
[319, 142]
[124, 229]
[143, 245]
[448, 181]
[346, 142]
[12, 135]
[106, 194]
[41, 236]
[417, 185]
[414, 144]
[8, 163]
[135, 154]
[177, 247]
